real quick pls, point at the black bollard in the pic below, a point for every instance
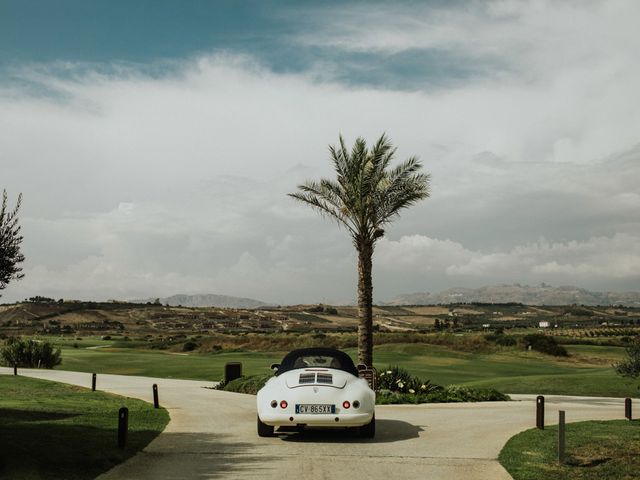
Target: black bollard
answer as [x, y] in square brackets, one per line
[540, 412]
[232, 370]
[123, 425]
[627, 409]
[561, 435]
[15, 369]
[156, 403]
[93, 382]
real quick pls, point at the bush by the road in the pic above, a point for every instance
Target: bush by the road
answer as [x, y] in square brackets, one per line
[29, 353]
[396, 385]
[449, 394]
[250, 384]
[396, 379]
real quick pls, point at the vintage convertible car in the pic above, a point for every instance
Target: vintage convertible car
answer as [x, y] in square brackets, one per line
[316, 387]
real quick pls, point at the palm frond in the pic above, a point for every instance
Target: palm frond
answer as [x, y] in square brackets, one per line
[366, 193]
[325, 197]
[402, 192]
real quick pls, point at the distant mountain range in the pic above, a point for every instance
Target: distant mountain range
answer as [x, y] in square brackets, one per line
[529, 295]
[207, 300]
[542, 294]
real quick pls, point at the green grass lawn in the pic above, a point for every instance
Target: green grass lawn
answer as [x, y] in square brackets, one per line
[595, 450]
[157, 363]
[511, 371]
[587, 372]
[57, 431]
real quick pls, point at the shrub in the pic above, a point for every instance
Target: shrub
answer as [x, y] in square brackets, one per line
[499, 338]
[396, 379]
[250, 384]
[189, 346]
[630, 367]
[459, 393]
[29, 353]
[452, 393]
[544, 344]
[506, 341]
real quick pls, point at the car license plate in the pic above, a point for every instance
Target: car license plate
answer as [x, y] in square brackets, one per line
[315, 408]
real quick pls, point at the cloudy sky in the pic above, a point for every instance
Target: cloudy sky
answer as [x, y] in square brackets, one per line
[154, 143]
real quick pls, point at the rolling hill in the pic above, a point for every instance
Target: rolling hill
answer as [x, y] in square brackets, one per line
[207, 300]
[528, 295]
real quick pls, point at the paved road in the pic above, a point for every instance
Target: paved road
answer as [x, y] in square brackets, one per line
[212, 435]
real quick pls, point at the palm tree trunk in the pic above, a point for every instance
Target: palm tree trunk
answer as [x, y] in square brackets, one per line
[365, 304]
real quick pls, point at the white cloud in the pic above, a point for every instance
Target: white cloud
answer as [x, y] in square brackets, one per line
[605, 258]
[138, 185]
[520, 36]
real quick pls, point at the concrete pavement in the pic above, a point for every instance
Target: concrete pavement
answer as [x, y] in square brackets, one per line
[212, 434]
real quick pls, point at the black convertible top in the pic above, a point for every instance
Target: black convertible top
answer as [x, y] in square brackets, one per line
[341, 361]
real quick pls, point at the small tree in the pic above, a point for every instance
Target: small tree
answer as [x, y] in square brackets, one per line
[10, 240]
[631, 366]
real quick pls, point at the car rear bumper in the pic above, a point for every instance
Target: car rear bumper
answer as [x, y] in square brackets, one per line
[324, 420]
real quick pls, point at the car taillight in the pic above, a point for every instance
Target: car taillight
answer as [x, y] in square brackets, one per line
[346, 404]
[356, 404]
[274, 403]
[283, 404]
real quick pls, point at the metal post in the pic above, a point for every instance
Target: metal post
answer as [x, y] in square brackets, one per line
[540, 412]
[561, 431]
[156, 403]
[93, 382]
[15, 369]
[123, 425]
[627, 409]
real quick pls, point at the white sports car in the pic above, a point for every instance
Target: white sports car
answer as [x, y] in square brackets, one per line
[316, 387]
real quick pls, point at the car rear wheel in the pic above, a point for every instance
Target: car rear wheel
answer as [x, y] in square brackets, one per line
[369, 430]
[264, 430]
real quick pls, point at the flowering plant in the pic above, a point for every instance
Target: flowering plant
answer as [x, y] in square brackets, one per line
[396, 379]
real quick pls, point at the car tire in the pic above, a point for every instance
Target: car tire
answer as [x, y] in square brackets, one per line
[264, 430]
[369, 430]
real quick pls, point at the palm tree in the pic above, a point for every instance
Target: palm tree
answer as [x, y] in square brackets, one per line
[366, 195]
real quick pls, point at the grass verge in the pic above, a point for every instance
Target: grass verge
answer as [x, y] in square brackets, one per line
[56, 431]
[596, 450]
